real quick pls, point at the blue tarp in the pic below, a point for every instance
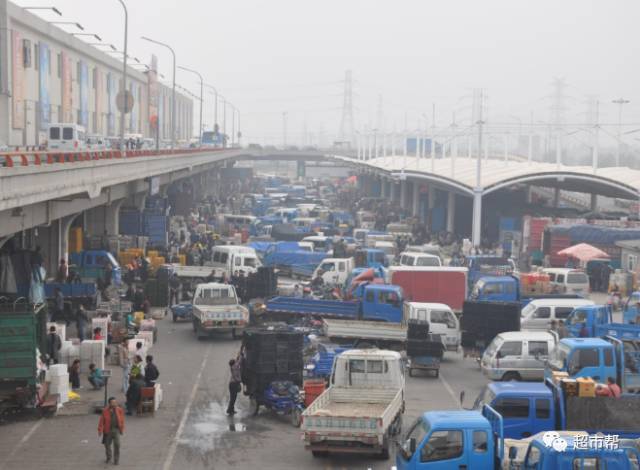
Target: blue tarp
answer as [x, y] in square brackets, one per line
[595, 234]
[301, 262]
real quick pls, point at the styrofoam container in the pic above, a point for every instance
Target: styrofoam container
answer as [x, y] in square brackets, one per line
[147, 336]
[57, 370]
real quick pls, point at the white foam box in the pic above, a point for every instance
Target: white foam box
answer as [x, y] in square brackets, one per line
[91, 351]
[147, 336]
[147, 325]
[61, 329]
[57, 370]
[58, 383]
[102, 323]
[157, 399]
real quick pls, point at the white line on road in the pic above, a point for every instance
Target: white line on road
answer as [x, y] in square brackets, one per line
[455, 399]
[185, 413]
[23, 441]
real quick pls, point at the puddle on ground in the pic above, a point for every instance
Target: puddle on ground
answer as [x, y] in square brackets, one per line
[209, 426]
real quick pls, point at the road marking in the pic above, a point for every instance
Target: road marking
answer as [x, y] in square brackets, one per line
[185, 414]
[23, 441]
[455, 399]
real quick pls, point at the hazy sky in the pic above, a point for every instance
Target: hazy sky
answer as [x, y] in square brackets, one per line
[273, 56]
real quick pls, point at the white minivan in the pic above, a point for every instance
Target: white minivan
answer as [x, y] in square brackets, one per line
[568, 281]
[538, 314]
[335, 271]
[518, 355]
[408, 258]
[66, 136]
[442, 321]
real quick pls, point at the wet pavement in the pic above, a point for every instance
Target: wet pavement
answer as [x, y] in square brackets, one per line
[191, 430]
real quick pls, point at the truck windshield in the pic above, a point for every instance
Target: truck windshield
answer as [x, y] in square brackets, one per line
[577, 278]
[485, 397]
[428, 261]
[493, 347]
[558, 357]
[419, 429]
[222, 296]
[527, 310]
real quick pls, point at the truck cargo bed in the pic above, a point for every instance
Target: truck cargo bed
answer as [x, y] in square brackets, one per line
[365, 330]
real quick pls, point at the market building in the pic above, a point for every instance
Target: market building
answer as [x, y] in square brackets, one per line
[48, 75]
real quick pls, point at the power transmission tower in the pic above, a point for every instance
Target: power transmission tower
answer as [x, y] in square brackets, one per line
[346, 123]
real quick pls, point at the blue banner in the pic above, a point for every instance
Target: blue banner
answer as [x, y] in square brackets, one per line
[83, 79]
[45, 101]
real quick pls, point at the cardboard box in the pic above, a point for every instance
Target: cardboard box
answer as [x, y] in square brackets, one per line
[586, 387]
[557, 376]
[570, 387]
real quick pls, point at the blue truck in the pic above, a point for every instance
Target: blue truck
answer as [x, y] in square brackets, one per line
[507, 289]
[381, 302]
[74, 290]
[528, 408]
[295, 262]
[370, 258]
[596, 321]
[487, 265]
[320, 365]
[458, 439]
[90, 265]
[599, 358]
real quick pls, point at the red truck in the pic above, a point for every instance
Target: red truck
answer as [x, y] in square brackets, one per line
[446, 285]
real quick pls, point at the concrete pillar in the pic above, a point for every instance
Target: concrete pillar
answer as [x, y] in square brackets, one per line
[556, 197]
[476, 229]
[64, 225]
[403, 194]
[112, 217]
[415, 206]
[451, 211]
[383, 188]
[594, 202]
[431, 203]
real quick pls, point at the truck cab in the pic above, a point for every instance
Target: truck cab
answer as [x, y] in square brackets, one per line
[452, 440]
[597, 321]
[90, 265]
[370, 258]
[496, 289]
[216, 308]
[335, 271]
[441, 319]
[382, 302]
[488, 265]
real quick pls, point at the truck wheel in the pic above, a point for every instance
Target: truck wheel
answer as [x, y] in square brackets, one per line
[384, 454]
[437, 373]
[296, 417]
[511, 376]
[174, 318]
[319, 453]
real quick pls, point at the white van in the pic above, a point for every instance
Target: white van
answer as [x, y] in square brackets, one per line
[427, 248]
[365, 219]
[538, 314]
[335, 270]
[408, 258]
[518, 355]
[568, 281]
[234, 258]
[320, 243]
[96, 142]
[442, 321]
[389, 249]
[66, 136]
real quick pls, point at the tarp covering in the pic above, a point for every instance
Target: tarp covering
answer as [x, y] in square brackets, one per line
[595, 234]
[603, 413]
[584, 252]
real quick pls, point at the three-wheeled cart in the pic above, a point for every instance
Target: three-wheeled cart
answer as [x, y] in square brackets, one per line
[426, 355]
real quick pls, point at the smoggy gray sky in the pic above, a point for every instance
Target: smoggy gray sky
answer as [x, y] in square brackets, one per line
[270, 57]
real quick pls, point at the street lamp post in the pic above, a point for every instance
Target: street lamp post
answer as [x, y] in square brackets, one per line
[87, 34]
[96, 44]
[201, 95]
[123, 111]
[173, 91]
[620, 102]
[77, 25]
[53, 9]
[215, 104]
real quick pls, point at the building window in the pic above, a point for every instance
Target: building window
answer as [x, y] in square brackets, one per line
[49, 60]
[59, 65]
[36, 53]
[95, 77]
[78, 72]
[26, 53]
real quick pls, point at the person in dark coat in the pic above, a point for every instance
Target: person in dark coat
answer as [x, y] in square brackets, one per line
[54, 344]
[134, 393]
[151, 372]
[81, 321]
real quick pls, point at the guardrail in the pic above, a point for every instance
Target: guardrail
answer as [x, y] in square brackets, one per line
[37, 158]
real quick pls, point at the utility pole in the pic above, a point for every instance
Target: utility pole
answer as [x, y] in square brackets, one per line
[620, 102]
[477, 194]
[346, 123]
[284, 130]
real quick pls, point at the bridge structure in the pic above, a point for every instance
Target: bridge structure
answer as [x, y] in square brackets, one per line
[43, 193]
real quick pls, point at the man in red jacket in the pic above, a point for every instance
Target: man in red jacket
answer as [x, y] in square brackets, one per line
[111, 427]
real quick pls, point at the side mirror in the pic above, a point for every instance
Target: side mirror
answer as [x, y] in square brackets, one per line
[412, 445]
[462, 397]
[513, 452]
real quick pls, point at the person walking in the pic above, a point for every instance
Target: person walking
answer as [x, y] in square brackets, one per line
[74, 374]
[58, 309]
[235, 383]
[174, 289]
[125, 363]
[81, 321]
[111, 427]
[54, 344]
[63, 271]
[563, 331]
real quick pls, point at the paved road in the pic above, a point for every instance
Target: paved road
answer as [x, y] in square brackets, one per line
[191, 430]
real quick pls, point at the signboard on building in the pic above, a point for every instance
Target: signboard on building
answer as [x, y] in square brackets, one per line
[45, 101]
[83, 80]
[67, 90]
[18, 82]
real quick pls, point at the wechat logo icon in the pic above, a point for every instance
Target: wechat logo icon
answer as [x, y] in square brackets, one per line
[552, 439]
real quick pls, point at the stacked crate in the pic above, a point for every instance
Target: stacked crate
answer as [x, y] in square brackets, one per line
[58, 378]
[91, 351]
[272, 355]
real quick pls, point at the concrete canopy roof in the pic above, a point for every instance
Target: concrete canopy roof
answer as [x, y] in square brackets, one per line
[460, 174]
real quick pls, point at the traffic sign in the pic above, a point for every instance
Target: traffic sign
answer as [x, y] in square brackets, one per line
[124, 101]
